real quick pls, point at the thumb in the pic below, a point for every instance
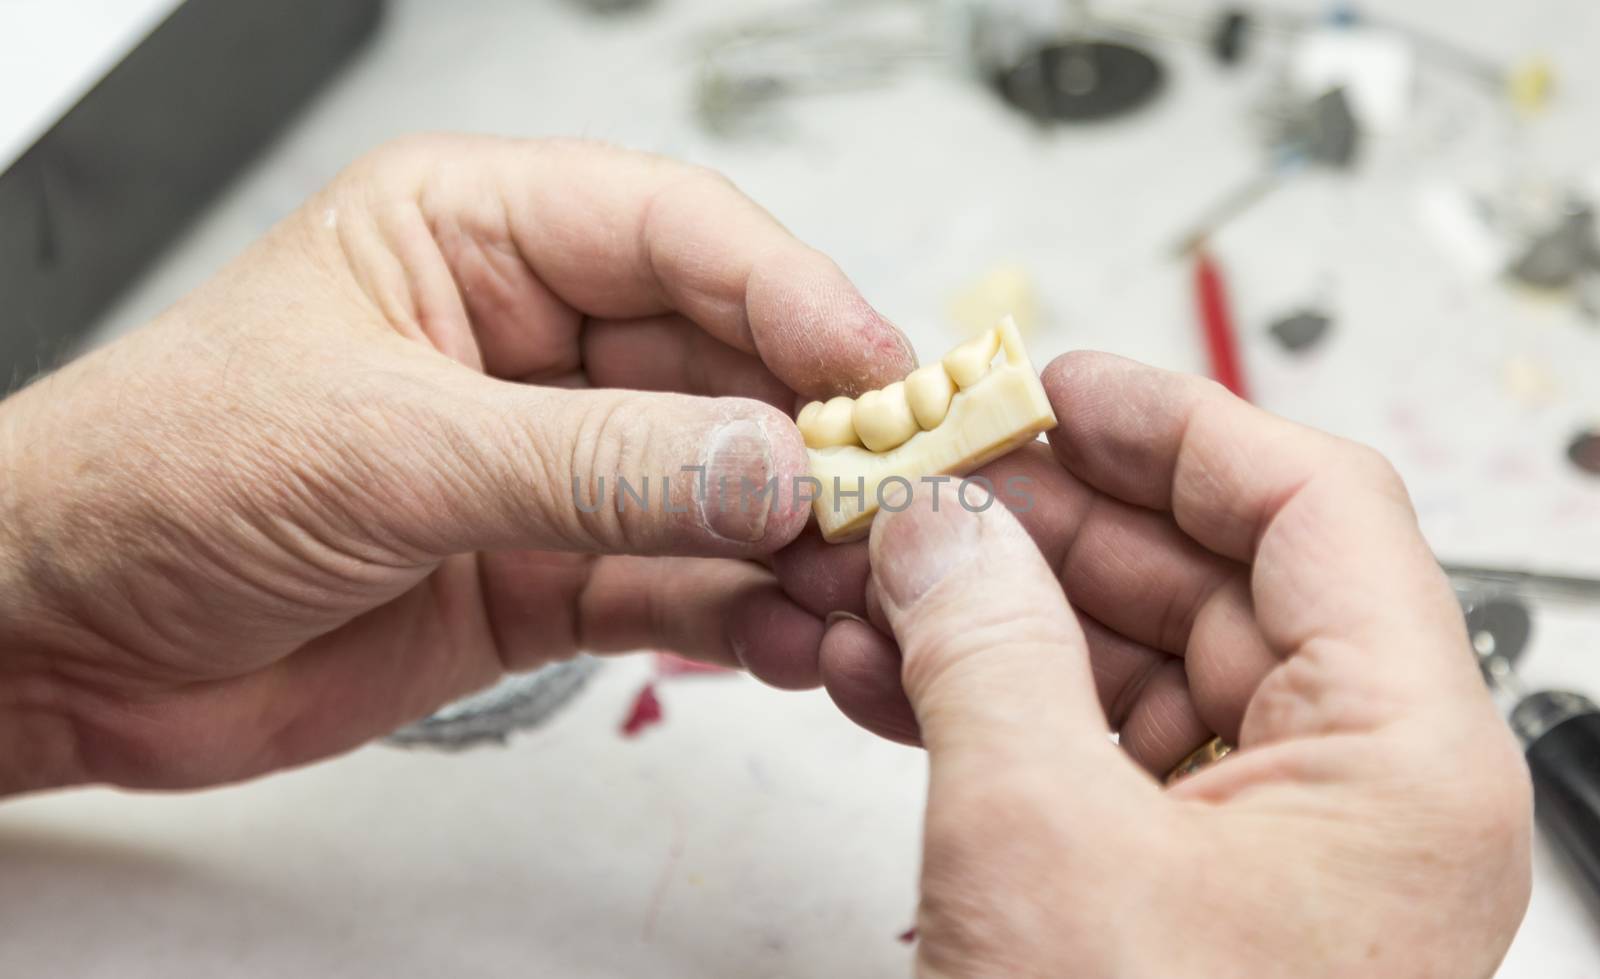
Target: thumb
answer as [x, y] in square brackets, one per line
[994, 662]
[483, 464]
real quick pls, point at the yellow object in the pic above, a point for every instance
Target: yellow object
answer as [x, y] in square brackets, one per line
[929, 390]
[1004, 290]
[1530, 83]
[1530, 381]
[828, 424]
[970, 361]
[1000, 407]
[883, 418]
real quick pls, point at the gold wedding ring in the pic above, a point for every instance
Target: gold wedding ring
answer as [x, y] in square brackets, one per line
[1204, 756]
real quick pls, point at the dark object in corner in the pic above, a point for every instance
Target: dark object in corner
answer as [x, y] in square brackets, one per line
[1584, 451]
[1081, 81]
[96, 199]
[1231, 39]
[1563, 253]
[1329, 133]
[1300, 331]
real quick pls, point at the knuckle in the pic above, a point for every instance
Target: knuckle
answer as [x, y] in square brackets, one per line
[605, 442]
[952, 636]
[582, 146]
[402, 167]
[1207, 390]
[402, 153]
[689, 190]
[1372, 468]
[932, 663]
[704, 178]
[405, 146]
[937, 655]
[591, 149]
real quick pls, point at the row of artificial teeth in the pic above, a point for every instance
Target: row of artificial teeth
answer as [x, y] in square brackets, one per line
[883, 419]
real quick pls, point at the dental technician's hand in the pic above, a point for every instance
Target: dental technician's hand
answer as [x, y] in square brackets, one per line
[334, 487]
[1228, 572]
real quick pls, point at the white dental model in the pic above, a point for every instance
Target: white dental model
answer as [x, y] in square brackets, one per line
[945, 419]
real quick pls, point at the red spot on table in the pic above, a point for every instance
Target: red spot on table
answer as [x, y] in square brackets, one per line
[908, 936]
[646, 712]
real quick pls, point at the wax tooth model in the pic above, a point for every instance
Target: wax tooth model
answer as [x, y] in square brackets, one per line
[946, 419]
[827, 425]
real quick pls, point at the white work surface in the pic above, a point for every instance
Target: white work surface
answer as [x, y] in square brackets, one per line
[756, 833]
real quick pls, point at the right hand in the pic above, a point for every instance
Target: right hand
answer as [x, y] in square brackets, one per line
[338, 485]
[1228, 572]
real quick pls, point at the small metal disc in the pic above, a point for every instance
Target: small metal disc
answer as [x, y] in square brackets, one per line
[1585, 451]
[1080, 81]
[1499, 628]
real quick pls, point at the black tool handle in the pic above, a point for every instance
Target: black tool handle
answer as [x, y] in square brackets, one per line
[1561, 734]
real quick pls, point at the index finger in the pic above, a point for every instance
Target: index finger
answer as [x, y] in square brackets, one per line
[1336, 551]
[620, 234]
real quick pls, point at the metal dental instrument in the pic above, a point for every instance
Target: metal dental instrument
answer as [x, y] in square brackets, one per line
[1559, 731]
[1499, 628]
[1564, 589]
[1322, 131]
[822, 48]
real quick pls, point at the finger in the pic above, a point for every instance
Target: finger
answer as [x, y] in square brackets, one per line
[823, 577]
[1143, 691]
[731, 613]
[448, 461]
[619, 234]
[1146, 697]
[995, 665]
[725, 612]
[1130, 567]
[861, 672]
[1338, 559]
[359, 681]
[1136, 572]
[667, 353]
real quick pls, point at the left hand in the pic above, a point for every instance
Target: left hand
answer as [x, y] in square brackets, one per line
[333, 488]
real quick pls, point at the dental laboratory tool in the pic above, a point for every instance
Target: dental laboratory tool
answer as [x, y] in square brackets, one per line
[1559, 731]
[1523, 584]
[1216, 323]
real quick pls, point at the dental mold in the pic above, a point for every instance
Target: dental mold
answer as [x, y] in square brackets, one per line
[945, 419]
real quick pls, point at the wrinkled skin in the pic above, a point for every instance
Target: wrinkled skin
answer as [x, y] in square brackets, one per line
[334, 488]
[1227, 571]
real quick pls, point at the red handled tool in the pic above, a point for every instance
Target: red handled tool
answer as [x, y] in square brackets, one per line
[1216, 323]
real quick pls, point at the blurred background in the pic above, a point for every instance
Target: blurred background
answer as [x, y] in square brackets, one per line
[1374, 219]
